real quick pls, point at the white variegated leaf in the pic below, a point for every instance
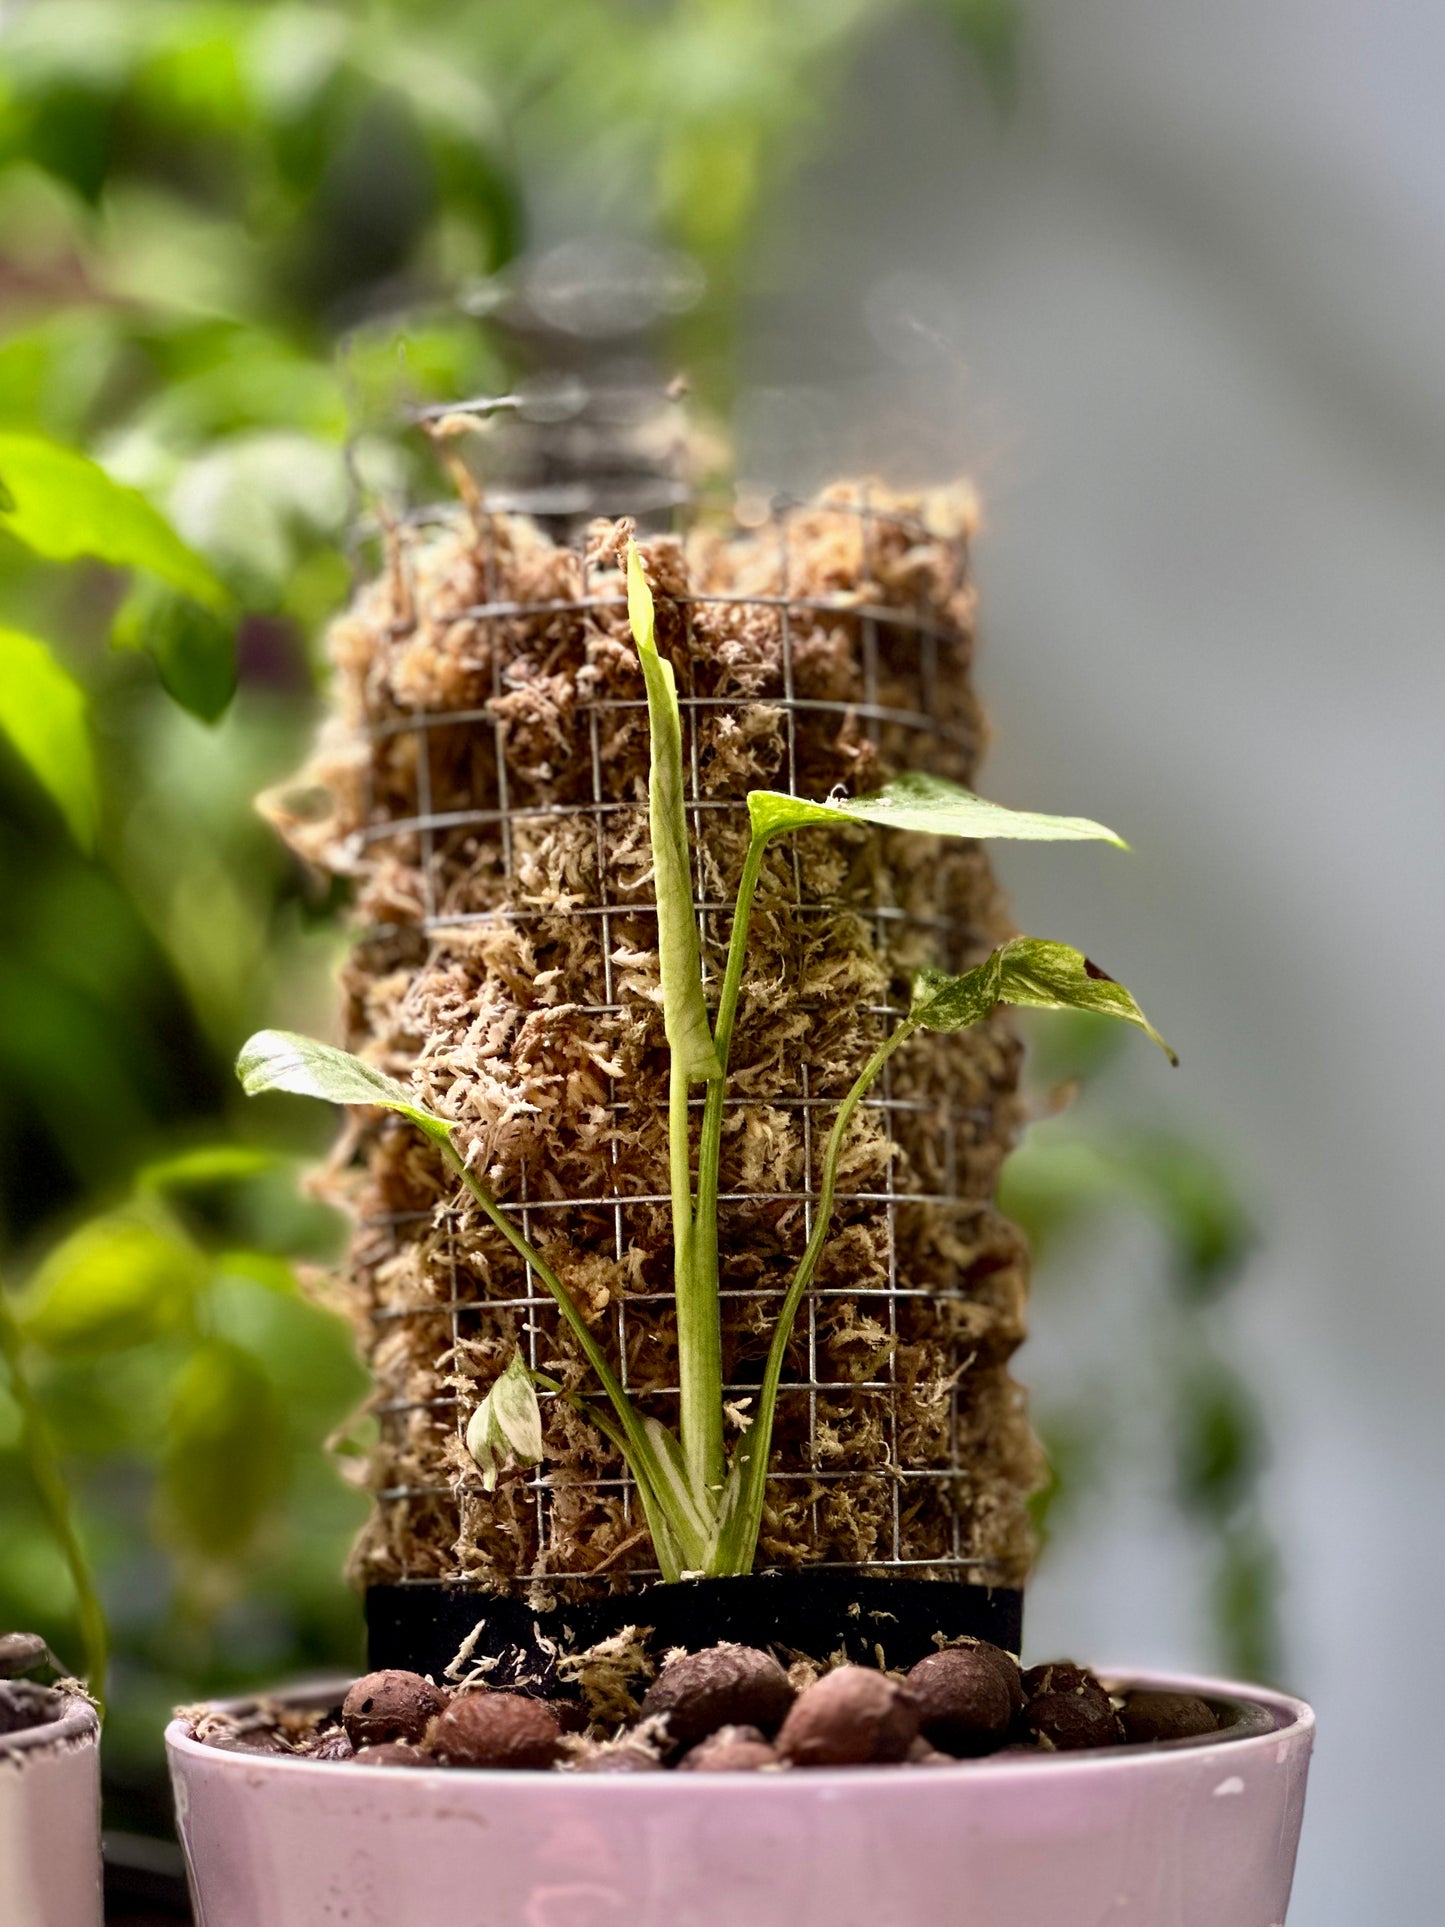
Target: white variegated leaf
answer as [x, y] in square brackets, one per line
[928, 804]
[506, 1428]
[1032, 973]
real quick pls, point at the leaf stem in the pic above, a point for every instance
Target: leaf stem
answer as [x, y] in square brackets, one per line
[641, 1455]
[709, 1151]
[43, 1460]
[727, 1006]
[702, 1256]
[530, 1255]
[695, 1282]
[659, 1530]
[741, 1536]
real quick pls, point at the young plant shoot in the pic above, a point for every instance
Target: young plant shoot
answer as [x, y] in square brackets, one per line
[703, 1506]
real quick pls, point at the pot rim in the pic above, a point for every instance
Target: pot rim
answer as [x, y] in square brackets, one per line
[1287, 1716]
[78, 1725]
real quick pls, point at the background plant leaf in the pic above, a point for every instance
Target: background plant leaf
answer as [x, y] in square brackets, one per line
[225, 1451]
[65, 505]
[43, 713]
[117, 1282]
[205, 1165]
[193, 646]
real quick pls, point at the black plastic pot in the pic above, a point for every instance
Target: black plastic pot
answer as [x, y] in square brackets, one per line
[422, 1627]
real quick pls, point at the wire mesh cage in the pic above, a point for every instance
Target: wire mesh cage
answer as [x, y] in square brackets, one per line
[483, 780]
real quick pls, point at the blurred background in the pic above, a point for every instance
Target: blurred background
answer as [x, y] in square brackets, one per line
[1168, 282]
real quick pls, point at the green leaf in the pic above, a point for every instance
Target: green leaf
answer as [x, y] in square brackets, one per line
[692, 1517]
[225, 1452]
[193, 647]
[281, 1060]
[65, 506]
[927, 804]
[684, 1009]
[1032, 973]
[42, 711]
[116, 1282]
[506, 1428]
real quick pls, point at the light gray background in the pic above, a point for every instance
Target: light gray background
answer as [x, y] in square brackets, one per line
[1183, 318]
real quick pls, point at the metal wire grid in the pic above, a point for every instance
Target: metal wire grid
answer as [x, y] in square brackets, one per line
[534, 1303]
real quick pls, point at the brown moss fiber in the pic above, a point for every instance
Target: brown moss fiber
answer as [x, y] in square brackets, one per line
[511, 964]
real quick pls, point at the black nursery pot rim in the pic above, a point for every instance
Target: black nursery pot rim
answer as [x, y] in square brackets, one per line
[813, 1611]
[1257, 1716]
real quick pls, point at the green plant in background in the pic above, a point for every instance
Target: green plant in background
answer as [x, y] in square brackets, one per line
[165, 1347]
[1085, 1179]
[232, 237]
[37, 1443]
[703, 1508]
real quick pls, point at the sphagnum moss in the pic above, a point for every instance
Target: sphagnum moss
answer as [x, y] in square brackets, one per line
[508, 961]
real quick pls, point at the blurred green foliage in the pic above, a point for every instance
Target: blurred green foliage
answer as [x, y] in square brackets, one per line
[232, 238]
[1074, 1178]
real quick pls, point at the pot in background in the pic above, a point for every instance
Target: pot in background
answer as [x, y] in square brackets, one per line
[50, 1814]
[1189, 1834]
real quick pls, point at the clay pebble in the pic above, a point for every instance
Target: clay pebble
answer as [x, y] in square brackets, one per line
[965, 1704]
[621, 1758]
[258, 1739]
[1165, 1716]
[957, 1703]
[1066, 1722]
[391, 1753]
[1056, 1676]
[851, 1717]
[723, 1685]
[495, 1729]
[390, 1705]
[732, 1749]
[1004, 1664]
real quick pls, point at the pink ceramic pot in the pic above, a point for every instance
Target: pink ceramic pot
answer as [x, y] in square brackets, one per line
[50, 1821]
[1193, 1834]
